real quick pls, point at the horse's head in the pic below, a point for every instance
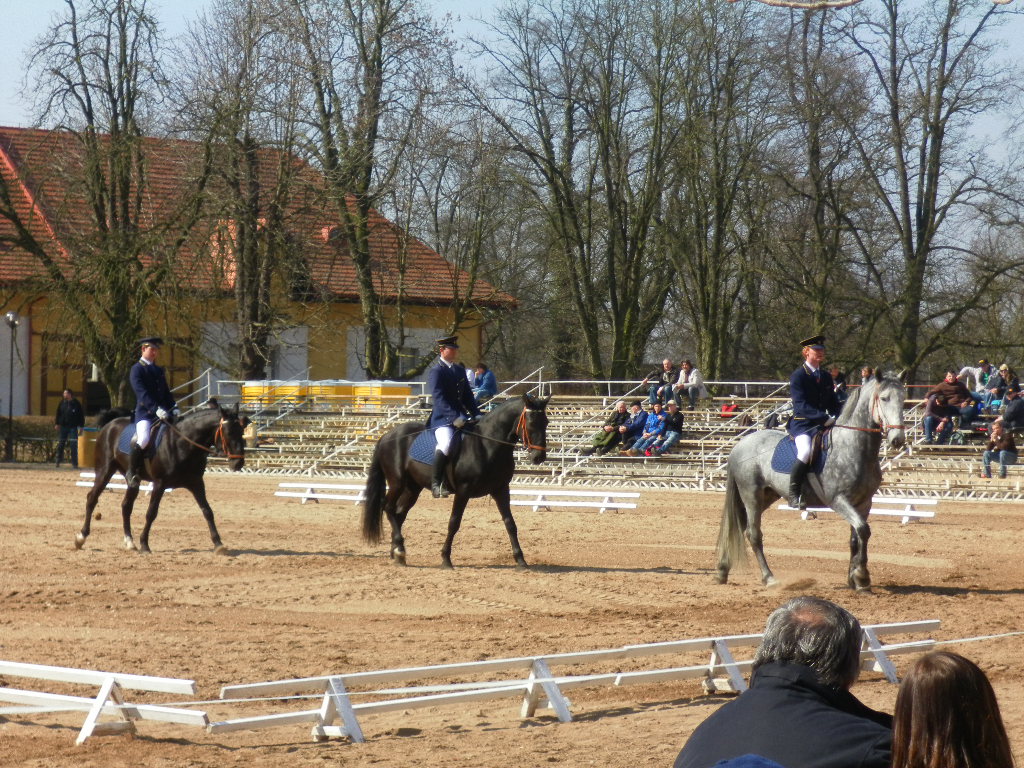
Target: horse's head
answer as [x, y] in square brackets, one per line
[887, 408]
[230, 438]
[532, 427]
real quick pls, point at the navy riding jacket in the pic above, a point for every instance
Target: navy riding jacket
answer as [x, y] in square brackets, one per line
[814, 400]
[151, 391]
[452, 396]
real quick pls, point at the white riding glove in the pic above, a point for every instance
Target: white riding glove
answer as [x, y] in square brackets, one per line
[162, 414]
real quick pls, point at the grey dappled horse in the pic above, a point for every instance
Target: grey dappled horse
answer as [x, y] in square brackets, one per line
[848, 481]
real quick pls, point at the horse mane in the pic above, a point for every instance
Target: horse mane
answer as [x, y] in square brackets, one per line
[110, 414]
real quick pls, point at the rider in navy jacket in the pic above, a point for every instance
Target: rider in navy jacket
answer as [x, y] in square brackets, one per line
[815, 406]
[153, 401]
[453, 406]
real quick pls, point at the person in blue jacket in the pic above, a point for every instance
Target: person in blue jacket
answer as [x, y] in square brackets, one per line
[453, 407]
[153, 401]
[485, 385]
[815, 406]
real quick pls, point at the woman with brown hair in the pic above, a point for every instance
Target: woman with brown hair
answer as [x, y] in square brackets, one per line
[947, 716]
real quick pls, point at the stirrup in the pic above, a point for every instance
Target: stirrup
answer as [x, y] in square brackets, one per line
[439, 491]
[797, 502]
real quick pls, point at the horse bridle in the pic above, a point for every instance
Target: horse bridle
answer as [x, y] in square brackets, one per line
[523, 432]
[220, 436]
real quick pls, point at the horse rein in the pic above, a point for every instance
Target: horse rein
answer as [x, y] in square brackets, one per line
[220, 435]
[882, 426]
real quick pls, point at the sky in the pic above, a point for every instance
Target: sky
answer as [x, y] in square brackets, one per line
[26, 20]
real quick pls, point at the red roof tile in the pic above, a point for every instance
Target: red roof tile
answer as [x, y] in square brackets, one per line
[38, 165]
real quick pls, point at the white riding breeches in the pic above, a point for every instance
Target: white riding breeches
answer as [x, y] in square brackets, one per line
[142, 431]
[803, 447]
[444, 437]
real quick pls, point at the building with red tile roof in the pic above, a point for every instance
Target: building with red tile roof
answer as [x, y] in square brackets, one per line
[318, 291]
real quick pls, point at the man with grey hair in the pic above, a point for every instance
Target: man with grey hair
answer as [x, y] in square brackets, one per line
[799, 710]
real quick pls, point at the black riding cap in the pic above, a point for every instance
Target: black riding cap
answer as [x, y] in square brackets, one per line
[151, 341]
[449, 341]
[815, 342]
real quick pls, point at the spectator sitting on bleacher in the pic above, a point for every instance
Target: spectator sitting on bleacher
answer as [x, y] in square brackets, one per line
[981, 374]
[661, 382]
[691, 384]
[936, 414]
[1000, 446]
[653, 428]
[485, 385]
[996, 387]
[634, 426]
[672, 433]
[608, 436]
[1013, 410]
[957, 398]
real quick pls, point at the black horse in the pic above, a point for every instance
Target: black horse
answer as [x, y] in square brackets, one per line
[484, 465]
[179, 462]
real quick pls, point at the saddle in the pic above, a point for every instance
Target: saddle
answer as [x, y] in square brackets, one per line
[784, 455]
[127, 439]
[423, 447]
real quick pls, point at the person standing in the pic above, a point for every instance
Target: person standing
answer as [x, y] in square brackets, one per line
[153, 401]
[69, 422]
[453, 406]
[815, 406]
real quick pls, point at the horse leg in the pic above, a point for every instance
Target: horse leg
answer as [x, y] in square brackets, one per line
[198, 490]
[501, 498]
[454, 522]
[396, 507]
[126, 516]
[858, 577]
[91, 499]
[755, 505]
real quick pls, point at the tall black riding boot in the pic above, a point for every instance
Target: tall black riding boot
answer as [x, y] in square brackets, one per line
[437, 486]
[132, 476]
[797, 475]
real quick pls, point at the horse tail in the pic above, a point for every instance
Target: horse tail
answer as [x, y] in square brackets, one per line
[731, 547]
[110, 414]
[373, 506]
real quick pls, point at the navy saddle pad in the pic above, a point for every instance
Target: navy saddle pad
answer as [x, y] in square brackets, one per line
[124, 442]
[425, 444]
[784, 456]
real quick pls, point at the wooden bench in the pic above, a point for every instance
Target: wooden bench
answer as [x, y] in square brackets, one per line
[883, 506]
[545, 498]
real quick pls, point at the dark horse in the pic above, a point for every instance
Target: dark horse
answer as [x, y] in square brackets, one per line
[847, 482]
[484, 465]
[179, 462]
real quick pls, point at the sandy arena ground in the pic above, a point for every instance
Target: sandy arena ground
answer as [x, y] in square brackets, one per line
[302, 595]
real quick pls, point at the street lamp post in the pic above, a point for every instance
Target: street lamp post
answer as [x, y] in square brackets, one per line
[12, 320]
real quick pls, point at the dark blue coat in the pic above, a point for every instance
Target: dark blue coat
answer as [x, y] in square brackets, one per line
[788, 717]
[814, 400]
[151, 390]
[487, 383]
[451, 394]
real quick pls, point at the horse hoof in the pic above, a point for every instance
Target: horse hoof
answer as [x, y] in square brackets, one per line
[220, 549]
[447, 565]
[770, 581]
[79, 540]
[522, 565]
[129, 543]
[721, 577]
[399, 559]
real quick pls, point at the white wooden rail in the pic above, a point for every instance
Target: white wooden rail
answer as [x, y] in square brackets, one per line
[89, 477]
[536, 497]
[539, 685]
[882, 506]
[110, 700]
[328, 491]
[545, 498]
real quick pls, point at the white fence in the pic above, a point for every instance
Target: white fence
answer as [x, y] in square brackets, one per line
[882, 506]
[539, 685]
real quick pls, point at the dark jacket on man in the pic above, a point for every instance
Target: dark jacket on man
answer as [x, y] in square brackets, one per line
[149, 381]
[451, 393]
[788, 717]
[70, 414]
[814, 400]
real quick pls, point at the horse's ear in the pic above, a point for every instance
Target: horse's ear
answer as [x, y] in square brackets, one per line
[878, 374]
[235, 409]
[903, 376]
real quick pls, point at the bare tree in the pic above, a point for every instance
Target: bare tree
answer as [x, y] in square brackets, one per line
[97, 78]
[934, 72]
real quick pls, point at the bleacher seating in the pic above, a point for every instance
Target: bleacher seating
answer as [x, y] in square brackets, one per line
[315, 439]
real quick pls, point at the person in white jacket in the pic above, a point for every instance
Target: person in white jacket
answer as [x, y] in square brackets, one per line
[690, 383]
